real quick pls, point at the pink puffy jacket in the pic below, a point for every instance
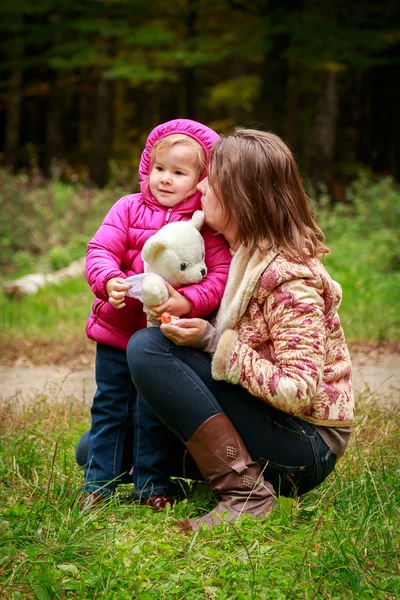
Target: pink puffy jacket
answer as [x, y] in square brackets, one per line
[115, 250]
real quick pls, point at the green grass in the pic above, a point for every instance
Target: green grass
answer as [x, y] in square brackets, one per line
[55, 313]
[340, 541]
[371, 291]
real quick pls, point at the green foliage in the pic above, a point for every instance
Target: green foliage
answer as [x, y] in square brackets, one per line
[23, 261]
[364, 234]
[372, 204]
[339, 541]
[241, 92]
[50, 221]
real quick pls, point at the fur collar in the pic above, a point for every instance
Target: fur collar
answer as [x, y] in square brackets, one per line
[243, 278]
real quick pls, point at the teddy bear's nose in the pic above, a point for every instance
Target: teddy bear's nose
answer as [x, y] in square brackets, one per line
[203, 272]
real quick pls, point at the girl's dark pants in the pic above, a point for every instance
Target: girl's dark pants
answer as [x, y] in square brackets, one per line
[121, 435]
[177, 385]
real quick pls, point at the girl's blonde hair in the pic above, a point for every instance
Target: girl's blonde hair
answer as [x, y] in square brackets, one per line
[180, 138]
[255, 177]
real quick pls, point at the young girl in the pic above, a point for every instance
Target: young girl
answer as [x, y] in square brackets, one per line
[171, 165]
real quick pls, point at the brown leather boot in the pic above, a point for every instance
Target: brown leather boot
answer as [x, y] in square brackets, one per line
[225, 463]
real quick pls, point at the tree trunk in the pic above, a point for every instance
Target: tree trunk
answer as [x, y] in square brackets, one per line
[13, 117]
[102, 137]
[189, 87]
[154, 106]
[187, 104]
[270, 108]
[85, 109]
[54, 131]
[290, 128]
[351, 127]
[323, 136]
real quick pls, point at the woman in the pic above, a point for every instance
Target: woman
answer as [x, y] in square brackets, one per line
[262, 397]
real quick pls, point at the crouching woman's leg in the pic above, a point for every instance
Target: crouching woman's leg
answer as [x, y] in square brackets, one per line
[175, 382]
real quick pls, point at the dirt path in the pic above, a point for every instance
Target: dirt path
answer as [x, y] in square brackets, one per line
[376, 371]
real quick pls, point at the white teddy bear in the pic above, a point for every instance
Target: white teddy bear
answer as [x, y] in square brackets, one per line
[174, 254]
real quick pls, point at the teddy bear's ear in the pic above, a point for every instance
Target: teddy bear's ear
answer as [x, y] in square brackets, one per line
[198, 219]
[151, 248]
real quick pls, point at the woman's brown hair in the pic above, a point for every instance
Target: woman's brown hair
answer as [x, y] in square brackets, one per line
[255, 177]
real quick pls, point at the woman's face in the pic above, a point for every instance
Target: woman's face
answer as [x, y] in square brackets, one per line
[211, 206]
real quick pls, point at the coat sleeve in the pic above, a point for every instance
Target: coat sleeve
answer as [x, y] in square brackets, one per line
[107, 249]
[294, 315]
[207, 295]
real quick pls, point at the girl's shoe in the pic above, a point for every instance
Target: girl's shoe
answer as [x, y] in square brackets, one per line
[93, 500]
[158, 501]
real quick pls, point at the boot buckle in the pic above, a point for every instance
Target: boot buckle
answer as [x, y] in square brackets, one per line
[231, 451]
[247, 481]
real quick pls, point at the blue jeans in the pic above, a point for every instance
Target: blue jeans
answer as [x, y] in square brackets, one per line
[150, 475]
[177, 385]
[157, 454]
[112, 445]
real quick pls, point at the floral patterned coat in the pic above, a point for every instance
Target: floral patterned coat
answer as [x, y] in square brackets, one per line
[282, 339]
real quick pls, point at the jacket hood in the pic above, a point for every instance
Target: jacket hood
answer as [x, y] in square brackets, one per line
[205, 136]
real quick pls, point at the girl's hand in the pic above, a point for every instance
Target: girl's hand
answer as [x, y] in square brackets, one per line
[116, 289]
[186, 332]
[177, 305]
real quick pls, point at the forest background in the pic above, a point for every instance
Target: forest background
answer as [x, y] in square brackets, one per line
[83, 82]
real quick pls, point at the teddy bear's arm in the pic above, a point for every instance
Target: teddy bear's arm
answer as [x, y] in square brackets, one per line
[154, 291]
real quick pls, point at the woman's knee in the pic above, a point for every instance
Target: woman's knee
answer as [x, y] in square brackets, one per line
[141, 348]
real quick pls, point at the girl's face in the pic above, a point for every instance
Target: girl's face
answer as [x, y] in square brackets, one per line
[174, 175]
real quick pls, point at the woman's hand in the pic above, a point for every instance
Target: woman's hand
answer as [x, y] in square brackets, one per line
[177, 304]
[117, 289]
[186, 332]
